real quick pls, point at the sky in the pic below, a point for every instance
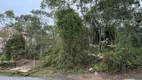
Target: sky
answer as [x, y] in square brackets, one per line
[19, 6]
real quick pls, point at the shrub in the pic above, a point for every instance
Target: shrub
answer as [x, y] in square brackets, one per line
[14, 47]
[121, 61]
[100, 67]
[53, 55]
[2, 58]
[124, 57]
[72, 32]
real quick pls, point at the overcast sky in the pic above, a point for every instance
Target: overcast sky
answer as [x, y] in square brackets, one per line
[19, 6]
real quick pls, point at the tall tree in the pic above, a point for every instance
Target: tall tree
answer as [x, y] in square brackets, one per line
[70, 28]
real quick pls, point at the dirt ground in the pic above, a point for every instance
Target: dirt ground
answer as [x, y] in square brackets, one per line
[130, 75]
[26, 62]
[100, 76]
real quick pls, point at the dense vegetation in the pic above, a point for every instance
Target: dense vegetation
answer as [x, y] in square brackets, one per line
[102, 34]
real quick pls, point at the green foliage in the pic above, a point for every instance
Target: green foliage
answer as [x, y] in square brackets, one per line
[100, 67]
[7, 17]
[76, 71]
[125, 57]
[112, 27]
[53, 55]
[15, 47]
[53, 3]
[9, 14]
[69, 23]
[119, 48]
[122, 61]
[3, 34]
[71, 31]
[2, 58]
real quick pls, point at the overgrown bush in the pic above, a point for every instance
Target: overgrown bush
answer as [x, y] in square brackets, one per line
[122, 61]
[15, 47]
[100, 67]
[71, 30]
[2, 58]
[125, 56]
[53, 55]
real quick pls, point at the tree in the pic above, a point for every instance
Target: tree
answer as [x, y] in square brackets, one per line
[15, 47]
[71, 30]
[8, 17]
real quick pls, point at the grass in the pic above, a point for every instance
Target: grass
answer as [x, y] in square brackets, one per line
[8, 73]
[76, 71]
[43, 72]
[47, 72]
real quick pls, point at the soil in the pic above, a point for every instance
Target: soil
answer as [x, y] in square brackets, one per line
[130, 75]
[26, 62]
